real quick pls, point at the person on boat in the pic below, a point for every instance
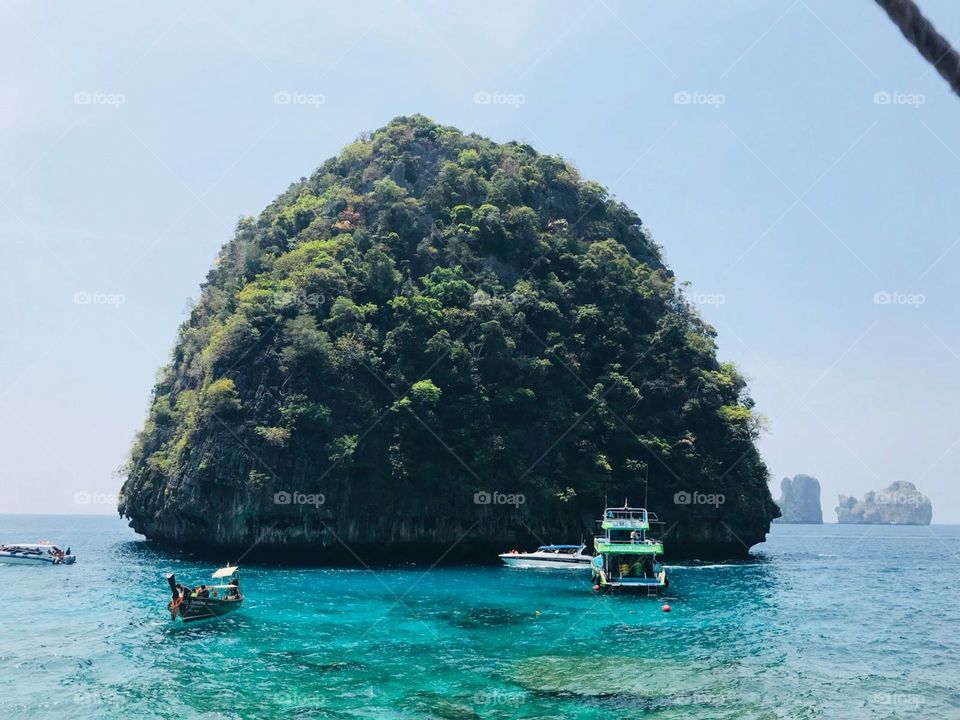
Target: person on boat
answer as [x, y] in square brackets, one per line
[202, 592]
[234, 591]
[634, 537]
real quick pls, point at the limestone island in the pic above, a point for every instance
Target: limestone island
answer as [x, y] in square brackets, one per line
[437, 348]
[800, 501]
[899, 504]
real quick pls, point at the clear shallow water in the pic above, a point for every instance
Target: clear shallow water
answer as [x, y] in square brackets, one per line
[826, 622]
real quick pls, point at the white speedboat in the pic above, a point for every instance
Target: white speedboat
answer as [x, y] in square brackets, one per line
[42, 553]
[550, 556]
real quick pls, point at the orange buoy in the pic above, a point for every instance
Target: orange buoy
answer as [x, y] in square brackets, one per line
[665, 608]
[596, 587]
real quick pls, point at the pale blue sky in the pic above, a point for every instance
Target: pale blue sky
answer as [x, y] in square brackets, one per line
[748, 135]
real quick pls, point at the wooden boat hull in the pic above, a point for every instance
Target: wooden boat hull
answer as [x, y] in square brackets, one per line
[194, 609]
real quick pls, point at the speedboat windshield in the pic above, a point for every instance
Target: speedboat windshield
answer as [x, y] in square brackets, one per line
[565, 549]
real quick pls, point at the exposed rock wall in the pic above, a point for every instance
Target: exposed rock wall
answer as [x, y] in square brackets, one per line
[800, 501]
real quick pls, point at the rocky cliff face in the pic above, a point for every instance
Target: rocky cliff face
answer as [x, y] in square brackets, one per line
[899, 504]
[356, 527]
[438, 347]
[800, 501]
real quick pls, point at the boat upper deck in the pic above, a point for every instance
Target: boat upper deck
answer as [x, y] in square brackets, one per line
[627, 518]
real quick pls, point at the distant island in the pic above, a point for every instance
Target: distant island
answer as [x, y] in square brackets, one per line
[899, 504]
[800, 501]
[438, 346]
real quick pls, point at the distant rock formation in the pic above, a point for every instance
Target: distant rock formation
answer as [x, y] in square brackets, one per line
[899, 504]
[800, 501]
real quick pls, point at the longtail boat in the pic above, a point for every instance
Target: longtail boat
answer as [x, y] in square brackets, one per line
[205, 602]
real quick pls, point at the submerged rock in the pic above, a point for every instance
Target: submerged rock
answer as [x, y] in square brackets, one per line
[486, 617]
[800, 501]
[899, 504]
[437, 346]
[619, 676]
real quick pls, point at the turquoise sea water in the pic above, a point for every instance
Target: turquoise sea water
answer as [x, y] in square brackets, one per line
[825, 622]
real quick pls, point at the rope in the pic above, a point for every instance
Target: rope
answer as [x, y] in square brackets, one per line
[925, 38]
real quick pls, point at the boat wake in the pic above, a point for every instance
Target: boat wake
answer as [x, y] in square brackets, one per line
[715, 566]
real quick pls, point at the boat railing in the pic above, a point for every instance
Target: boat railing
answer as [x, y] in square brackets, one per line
[625, 523]
[639, 514]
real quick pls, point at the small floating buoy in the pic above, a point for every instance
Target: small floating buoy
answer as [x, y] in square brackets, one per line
[537, 613]
[596, 587]
[665, 608]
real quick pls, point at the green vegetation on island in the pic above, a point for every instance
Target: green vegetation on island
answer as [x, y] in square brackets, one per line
[428, 319]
